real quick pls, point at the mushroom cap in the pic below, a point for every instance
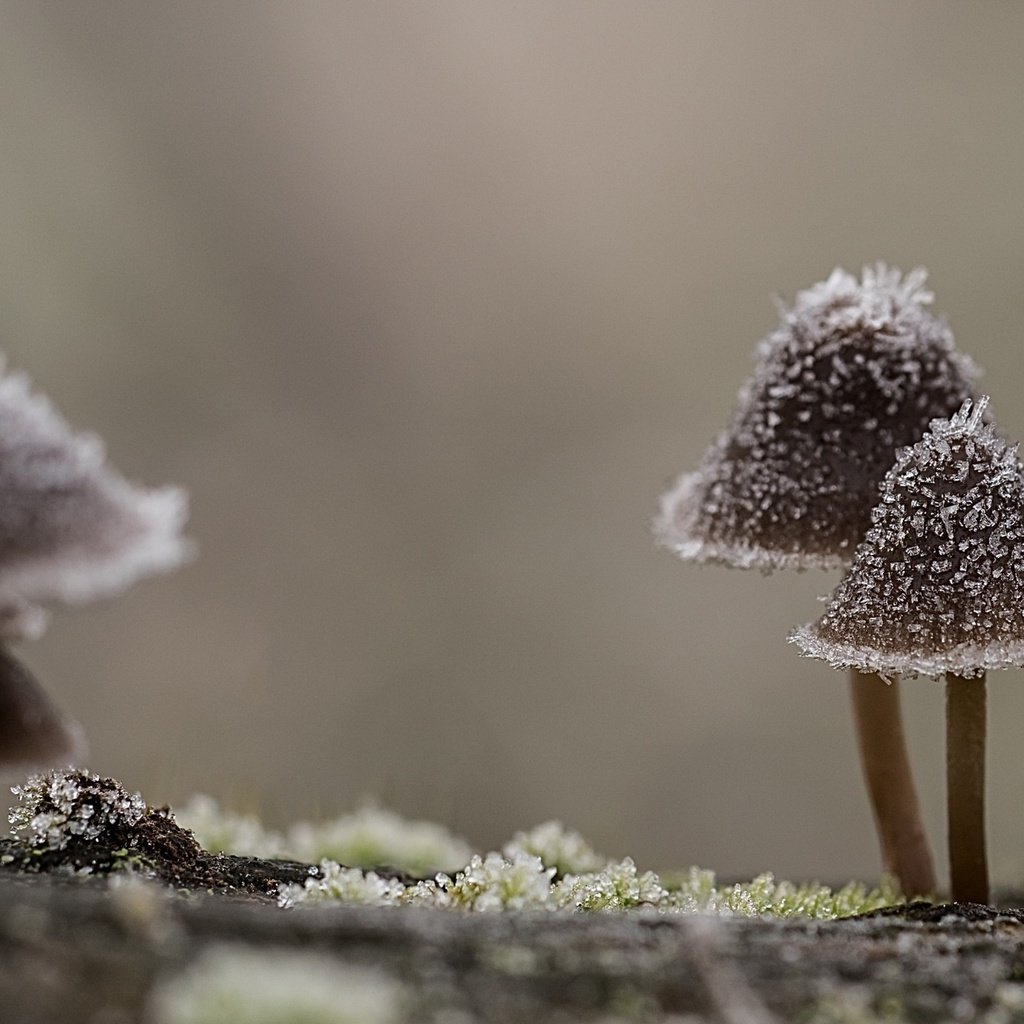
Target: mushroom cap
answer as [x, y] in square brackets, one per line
[938, 583]
[33, 730]
[71, 527]
[855, 371]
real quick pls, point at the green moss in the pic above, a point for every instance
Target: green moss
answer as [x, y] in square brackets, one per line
[548, 867]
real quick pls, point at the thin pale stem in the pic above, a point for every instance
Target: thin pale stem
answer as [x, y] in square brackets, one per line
[965, 788]
[886, 765]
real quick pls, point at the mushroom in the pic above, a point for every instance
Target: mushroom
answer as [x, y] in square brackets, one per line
[855, 370]
[936, 588]
[71, 529]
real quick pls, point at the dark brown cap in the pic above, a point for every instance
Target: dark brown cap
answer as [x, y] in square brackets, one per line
[855, 370]
[938, 583]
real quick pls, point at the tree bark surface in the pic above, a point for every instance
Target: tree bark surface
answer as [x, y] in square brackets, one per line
[79, 951]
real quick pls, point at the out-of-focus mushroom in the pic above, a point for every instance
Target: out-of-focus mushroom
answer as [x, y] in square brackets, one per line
[855, 370]
[71, 529]
[937, 587]
[33, 731]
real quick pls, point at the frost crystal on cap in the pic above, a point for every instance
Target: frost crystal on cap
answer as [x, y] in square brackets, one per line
[856, 370]
[936, 586]
[71, 528]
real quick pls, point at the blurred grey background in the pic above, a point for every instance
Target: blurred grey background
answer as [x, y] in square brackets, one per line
[425, 304]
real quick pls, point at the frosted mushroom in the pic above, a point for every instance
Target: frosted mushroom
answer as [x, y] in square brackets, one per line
[937, 587]
[854, 371]
[71, 530]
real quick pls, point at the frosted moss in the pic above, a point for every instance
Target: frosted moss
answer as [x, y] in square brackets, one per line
[335, 883]
[547, 868]
[855, 371]
[558, 847]
[618, 886]
[938, 583]
[222, 831]
[59, 806]
[517, 880]
[237, 985]
[370, 837]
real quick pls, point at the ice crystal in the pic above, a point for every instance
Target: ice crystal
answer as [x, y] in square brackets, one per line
[58, 806]
[71, 528]
[856, 370]
[230, 984]
[938, 583]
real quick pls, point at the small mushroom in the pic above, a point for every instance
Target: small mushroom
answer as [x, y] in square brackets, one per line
[855, 370]
[937, 587]
[71, 530]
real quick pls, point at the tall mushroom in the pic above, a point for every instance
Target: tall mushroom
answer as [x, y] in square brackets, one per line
[937, 587]
[855, 370]
[71, 529]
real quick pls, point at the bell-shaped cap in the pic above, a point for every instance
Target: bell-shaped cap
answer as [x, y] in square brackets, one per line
[938, 583]
[856, 370]
[71, 527]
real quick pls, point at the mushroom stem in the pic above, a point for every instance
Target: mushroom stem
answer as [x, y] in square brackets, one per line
[965, 788]
[886, 767]
[33, 732]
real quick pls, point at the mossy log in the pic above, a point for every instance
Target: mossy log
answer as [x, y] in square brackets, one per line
[119, 902]
[80, 951]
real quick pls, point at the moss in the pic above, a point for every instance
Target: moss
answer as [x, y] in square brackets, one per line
[76, 823]
[243, 986]
[369, 838]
